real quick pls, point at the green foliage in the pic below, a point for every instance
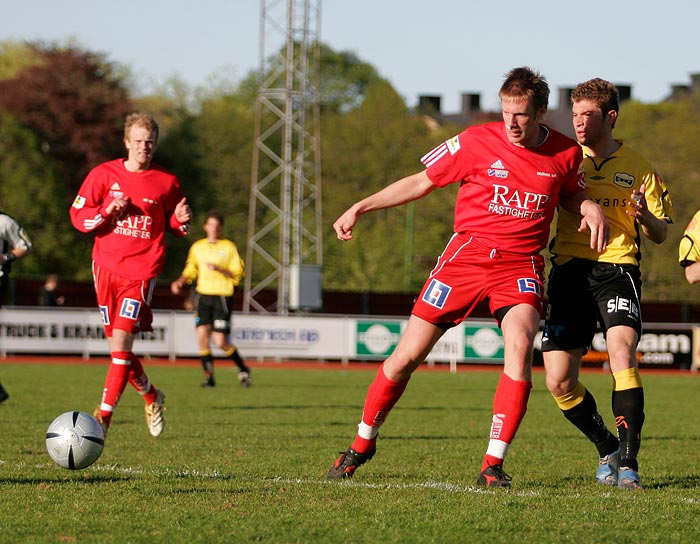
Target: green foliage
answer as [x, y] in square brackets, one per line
[32, 192]
[211, 153]
[15, 57]
[364, 150]
[74, 107]
[68, 106]
[345, 80]
[667, 134]
[244, 465]
[73, 101]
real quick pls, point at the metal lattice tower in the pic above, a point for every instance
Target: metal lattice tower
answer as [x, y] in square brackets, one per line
[284, 221]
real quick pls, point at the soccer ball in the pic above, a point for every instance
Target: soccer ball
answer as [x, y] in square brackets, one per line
[75, 440]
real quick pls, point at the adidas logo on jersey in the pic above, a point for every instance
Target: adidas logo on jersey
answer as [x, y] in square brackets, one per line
[498, 170]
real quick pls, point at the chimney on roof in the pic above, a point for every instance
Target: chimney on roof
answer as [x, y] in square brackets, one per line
[429, 105]
[695, 82]
[471, 102]
[625, 92]
[678, 91]
[565, 97]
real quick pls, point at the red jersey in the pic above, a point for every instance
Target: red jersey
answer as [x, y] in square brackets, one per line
[133, 245]
[508, 193]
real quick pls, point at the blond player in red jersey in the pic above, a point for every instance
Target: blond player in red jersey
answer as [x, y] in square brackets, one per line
[512, 176]
[129, 204]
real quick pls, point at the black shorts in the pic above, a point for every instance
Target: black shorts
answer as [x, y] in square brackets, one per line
[213, 310]
[583, 294]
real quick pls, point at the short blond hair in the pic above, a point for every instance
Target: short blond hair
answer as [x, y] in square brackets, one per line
[143, 120]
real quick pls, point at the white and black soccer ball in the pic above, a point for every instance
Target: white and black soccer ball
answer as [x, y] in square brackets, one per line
[75, 440]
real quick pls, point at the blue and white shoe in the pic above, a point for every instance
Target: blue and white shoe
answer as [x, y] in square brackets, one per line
[628, 479]
[607, 473]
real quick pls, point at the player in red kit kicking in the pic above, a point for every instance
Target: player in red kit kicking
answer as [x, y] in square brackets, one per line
[512, 176]
[129, 205]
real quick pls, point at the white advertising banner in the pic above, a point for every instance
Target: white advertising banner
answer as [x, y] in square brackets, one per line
[79, 331]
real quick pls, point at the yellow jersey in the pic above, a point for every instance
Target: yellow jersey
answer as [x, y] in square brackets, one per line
[222, 253]
[689, 248]
[609, 183]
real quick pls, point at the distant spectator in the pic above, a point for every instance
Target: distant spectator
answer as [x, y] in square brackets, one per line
[48, 294]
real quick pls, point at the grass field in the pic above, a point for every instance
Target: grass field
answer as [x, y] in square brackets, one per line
[237, 465]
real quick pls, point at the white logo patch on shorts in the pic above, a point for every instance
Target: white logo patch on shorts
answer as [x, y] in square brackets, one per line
[220, 324]
[436, 294]
[529, 285]
[104, 313]
[130, 309]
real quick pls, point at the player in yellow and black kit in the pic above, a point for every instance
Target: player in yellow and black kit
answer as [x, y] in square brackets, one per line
[214, 263]
[587, 288]
[689, 250]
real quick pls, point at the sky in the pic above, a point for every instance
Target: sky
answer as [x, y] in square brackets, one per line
[444, 48]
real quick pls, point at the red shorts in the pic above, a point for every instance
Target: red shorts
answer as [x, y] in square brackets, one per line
[468, 273]
[124, 304]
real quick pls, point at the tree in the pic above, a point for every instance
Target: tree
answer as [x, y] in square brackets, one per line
[666, 133]
[30, 191]
[16, 56]
[363, 150]
[71, 99]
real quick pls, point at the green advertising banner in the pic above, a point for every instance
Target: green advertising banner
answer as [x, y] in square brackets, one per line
[483, 342]
[376, 338]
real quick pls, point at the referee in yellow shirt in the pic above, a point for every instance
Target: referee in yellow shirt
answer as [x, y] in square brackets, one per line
[213, 263]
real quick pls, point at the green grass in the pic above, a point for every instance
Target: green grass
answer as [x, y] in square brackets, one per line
[238, 465]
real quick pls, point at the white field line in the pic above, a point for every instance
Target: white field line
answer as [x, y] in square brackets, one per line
[441, 486]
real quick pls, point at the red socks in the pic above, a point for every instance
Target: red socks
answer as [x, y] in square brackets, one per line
[115, 382]
[509, 407]
[382, 395]
[139, 380]
[124, 368]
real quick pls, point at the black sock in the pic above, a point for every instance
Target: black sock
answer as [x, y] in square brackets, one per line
[238, 360]
[628, 407]
[586, 419]
[208, 364]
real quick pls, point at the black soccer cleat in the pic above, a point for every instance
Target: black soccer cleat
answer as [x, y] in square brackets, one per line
[209, 382]
[493, 476]
[346, 465]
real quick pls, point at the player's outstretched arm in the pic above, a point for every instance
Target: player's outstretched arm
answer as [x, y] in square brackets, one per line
[400, 192]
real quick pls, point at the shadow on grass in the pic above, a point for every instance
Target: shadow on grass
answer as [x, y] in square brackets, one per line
[90, 480]
[680, 482]
[354, 407]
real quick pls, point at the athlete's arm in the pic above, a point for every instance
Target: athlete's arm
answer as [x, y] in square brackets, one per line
[592, 217]
[692, 273]
[400, 192]
[653, 228]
